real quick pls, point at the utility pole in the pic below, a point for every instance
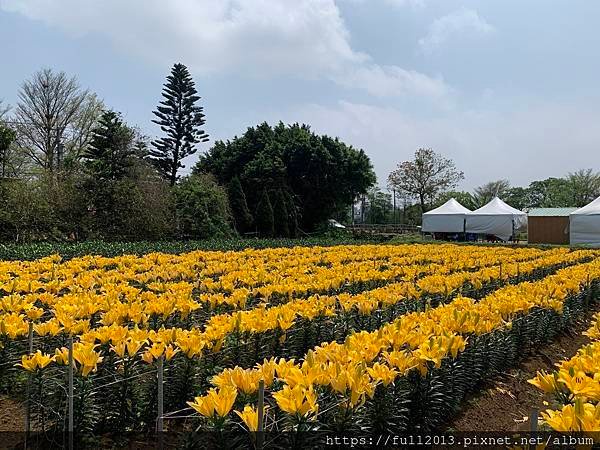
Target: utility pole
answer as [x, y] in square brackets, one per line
[394, 200]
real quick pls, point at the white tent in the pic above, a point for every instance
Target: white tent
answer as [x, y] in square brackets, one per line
[448, 218]
[584, 224]
[496, 218]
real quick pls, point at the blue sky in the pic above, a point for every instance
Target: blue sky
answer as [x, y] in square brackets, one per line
[508, 89]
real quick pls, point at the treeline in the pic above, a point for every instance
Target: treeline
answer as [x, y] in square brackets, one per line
[428, 180]
[71, 168]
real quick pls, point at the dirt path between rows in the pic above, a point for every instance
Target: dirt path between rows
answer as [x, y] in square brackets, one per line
[505, 402]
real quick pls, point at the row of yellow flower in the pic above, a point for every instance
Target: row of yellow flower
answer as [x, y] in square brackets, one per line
[353, 369]
[576, 386]
[211, 271]
[70, 312]
[195, 342]
[112, 288]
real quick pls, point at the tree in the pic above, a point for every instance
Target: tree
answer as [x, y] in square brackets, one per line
[180, 118]
[318, 175]
[82, 130]
[379, 208]
[517, 197]
[280, 214]
[585, 185]
[3, 109]
[7, 137]
[110, 153]
[425, 177]
[483, 194]
[202, 208]
[239, 206]
[550, 193]
[48, 116]
[264, 218]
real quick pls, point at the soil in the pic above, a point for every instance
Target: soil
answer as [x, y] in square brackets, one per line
[506, 402]
[12, 415]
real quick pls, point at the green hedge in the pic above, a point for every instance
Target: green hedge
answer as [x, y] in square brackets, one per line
[32, 251]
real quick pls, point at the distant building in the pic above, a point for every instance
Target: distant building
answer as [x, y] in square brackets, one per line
[548, 225]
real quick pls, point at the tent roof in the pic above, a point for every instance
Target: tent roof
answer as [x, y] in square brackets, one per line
[550, 212]
[497, 207]
[450, 207]
[590, 209]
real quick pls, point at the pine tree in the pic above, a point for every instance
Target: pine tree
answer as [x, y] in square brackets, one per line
[180, 118]
[111, 151]
[263, 218]
[239, 206]
[280, 214]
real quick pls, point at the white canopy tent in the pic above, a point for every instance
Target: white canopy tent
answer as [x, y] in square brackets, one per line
[448, 218]
[497, 218]
[584, 224]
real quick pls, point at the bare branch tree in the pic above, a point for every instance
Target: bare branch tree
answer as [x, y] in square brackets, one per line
[81, 131]
[425, 177]
[50, 106]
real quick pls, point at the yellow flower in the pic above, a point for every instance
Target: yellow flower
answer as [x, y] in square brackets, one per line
[147, 357]
[170, 351]
[382, 373]
[85, 355]
[544, 381]
[36, 361]
[48, 328]
[298, 400]
[28, 362]
[580, 384]
[61, 356]
[203, 405]
[223, 400]
[250, 417]
[34, 313]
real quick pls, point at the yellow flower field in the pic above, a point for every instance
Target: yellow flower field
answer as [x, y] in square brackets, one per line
[338, 336]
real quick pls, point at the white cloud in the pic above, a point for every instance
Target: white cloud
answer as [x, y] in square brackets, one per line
[265, 38]
[529, 143]
[389, 81]
[413, 3]
[464, 21]
[259, 36]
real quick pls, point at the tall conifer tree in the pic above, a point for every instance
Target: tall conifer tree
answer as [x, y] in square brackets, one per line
[180, 118]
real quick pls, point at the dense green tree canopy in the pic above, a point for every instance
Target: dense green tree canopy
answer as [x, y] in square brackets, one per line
[321, 175]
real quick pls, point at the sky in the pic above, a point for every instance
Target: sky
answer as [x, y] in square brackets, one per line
[507, 89]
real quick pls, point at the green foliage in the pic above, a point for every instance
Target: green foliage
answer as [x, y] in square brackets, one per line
[110, 155]
[202, 208]
[550, 193]
[318, 174]
[585, 186]
[239, 206]
[67, 250]
[577, 189]
[379, 207]
[7, 137]
[280, 214]
[265, 220]
[180, 118]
